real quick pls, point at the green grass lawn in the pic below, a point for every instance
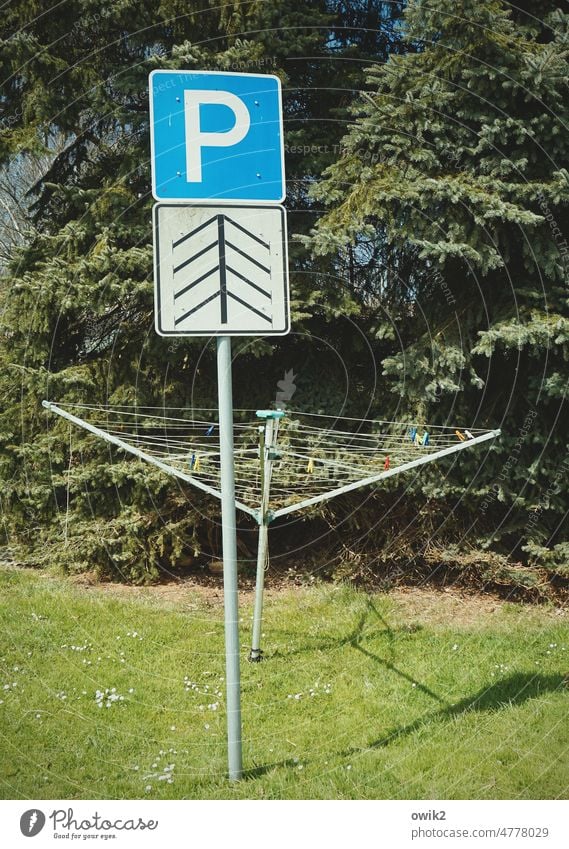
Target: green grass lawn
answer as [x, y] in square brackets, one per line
[359, 696]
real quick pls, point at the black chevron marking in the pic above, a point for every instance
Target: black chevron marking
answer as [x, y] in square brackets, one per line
[250, 258]
[195, 282]
[199, 306]
[247, 233]
[195, 256]
[193, 232]
[250, 282]
[249, 307]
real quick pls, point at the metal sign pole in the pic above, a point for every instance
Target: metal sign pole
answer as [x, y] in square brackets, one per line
[229, 539]
[220, 270]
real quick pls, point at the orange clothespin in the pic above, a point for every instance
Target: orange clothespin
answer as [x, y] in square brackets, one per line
[386, 463]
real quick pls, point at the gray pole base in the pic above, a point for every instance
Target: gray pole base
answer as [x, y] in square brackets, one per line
[255, 656]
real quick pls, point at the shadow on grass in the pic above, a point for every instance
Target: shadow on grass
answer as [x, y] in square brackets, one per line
[258, 771]
[355, 638]
[513, 690]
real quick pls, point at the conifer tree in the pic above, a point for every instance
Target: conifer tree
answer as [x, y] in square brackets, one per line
[455, 172]
[77, 299]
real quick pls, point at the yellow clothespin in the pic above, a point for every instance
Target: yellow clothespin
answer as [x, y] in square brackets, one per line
[310, 466]
[460, 435]
[197, 465]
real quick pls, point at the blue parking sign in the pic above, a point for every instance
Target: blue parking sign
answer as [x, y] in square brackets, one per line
[216, 136]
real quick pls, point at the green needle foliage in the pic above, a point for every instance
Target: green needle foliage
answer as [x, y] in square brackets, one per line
[437, 276]
[454, 174]
[77, 297]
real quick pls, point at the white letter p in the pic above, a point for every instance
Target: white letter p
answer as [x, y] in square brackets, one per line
[195, 139]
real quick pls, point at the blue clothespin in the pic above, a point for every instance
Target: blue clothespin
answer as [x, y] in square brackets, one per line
[412, 434]
[425, 440]
[192, 461]
[210, 430]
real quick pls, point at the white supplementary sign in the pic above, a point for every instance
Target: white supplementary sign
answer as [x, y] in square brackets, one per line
[220, 270]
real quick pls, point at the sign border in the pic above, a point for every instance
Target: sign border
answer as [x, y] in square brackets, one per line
[222, 201]
[214, 333]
